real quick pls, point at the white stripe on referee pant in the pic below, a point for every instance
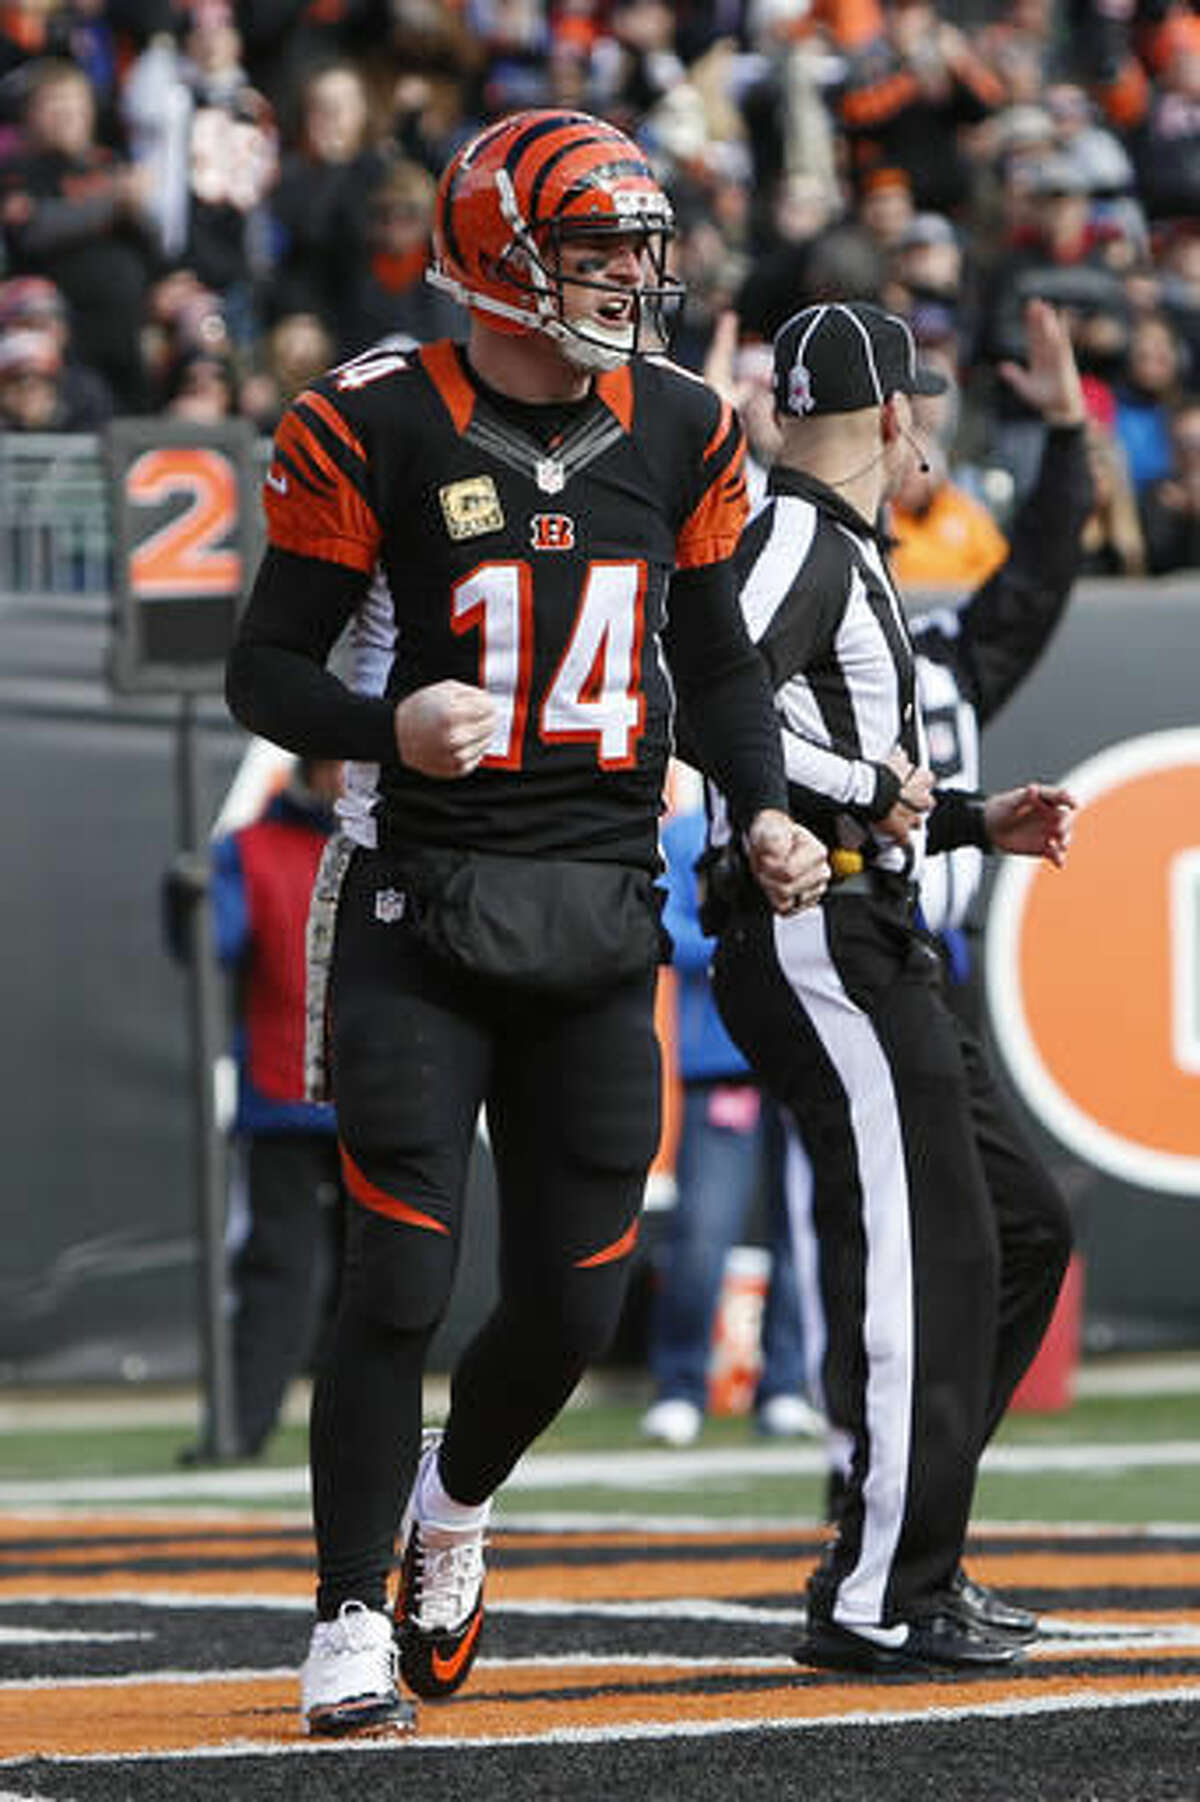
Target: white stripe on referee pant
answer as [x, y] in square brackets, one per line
[851, 1043]
[798, 1191]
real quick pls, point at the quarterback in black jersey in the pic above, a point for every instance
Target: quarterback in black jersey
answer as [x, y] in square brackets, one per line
[529, 538]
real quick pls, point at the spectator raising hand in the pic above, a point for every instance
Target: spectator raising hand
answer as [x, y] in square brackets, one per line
[1048, 382]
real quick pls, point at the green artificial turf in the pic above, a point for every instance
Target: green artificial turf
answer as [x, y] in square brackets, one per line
[1161, 1492]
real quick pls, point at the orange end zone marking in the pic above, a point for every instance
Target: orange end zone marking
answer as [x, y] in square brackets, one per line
[245, 1581]
[189, 1714]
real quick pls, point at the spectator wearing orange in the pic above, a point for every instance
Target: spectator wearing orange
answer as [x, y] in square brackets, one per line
[75, 213]
[908, 94]
[1149, 88]
[886, 208]
[388, 292]
[945, 538]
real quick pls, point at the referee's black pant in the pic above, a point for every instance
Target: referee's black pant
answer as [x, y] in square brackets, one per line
[938, 1244]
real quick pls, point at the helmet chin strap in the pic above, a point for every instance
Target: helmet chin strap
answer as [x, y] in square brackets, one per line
[585, 351]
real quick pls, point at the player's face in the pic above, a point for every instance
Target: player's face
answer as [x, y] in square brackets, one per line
[601, 277]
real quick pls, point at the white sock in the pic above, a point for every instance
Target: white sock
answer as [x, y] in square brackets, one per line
[438, 1509]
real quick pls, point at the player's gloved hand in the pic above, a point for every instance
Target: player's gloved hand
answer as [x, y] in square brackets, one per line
[1033, 821]
[446, 729]
[789, 864]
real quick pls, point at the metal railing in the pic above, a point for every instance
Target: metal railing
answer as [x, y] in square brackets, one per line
[54, 527]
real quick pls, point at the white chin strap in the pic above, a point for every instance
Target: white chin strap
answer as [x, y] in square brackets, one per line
[580, 348]
[588, 352]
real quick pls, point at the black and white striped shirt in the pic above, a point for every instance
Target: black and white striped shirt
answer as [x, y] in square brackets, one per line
[820, 604]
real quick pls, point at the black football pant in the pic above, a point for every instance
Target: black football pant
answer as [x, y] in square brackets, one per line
[284, 1272]
[571, 1090]
[939, 1242]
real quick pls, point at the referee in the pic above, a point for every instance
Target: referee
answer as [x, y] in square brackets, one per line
[940, 1244]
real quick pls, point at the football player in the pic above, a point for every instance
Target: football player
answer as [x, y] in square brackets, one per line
[500, 525]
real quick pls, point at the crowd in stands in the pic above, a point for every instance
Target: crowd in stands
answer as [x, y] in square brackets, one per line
[205, 202]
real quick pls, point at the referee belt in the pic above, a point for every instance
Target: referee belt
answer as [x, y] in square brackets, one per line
[851, 874]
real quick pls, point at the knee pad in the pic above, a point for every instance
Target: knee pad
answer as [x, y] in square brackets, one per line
[590, 1311]
[396, 1274]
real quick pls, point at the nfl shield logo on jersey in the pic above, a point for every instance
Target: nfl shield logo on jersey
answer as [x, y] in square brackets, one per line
[389, 905]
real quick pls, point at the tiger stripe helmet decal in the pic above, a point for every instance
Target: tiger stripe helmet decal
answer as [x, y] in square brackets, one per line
[510, 197]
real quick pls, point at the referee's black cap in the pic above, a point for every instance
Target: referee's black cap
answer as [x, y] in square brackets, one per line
[841, 356]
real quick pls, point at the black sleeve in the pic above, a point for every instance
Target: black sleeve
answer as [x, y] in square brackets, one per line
[1007, 623]
[276, 682]
[727, 723]
[957, 819]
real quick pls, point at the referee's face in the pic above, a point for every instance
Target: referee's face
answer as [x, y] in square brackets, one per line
[903, 453]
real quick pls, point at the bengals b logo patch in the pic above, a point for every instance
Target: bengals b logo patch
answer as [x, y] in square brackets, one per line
[552, 532]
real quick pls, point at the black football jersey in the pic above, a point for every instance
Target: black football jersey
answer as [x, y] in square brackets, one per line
[538, 571]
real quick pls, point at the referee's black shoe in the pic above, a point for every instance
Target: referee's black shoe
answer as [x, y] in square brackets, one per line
[941, 1641]
[982, 1607]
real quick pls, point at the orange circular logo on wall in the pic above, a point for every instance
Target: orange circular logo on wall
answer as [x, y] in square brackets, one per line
[1093, 972]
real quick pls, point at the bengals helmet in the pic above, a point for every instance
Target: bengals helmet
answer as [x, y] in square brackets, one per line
[511, 197]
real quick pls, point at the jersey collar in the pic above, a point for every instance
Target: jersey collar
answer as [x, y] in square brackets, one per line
[808, 488]
[446, 366]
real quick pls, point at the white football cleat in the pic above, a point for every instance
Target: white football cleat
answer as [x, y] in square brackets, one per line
[348, 1681]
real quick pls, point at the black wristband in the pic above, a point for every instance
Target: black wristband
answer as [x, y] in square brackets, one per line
[887, 792]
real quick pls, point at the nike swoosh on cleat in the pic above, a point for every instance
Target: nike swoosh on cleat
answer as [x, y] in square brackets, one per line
[447, 1669]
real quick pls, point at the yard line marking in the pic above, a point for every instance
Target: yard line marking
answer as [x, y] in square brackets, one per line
[612, 1470]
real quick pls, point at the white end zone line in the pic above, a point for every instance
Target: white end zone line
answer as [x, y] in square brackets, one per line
[578, 1470]
[406, 1744]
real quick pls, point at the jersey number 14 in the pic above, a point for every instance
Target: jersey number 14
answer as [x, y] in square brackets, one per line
[595, 693]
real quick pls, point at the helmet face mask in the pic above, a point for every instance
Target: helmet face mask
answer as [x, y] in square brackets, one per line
[539, 184]
[640, 318]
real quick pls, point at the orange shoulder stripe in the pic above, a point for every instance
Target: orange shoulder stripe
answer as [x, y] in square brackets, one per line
[615, 389]
[712, 529]
[440, 363]
[724, 420]
[332, 521]
[325, 410]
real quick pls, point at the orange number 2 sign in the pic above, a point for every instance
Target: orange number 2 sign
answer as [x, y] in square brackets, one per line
[190, 554]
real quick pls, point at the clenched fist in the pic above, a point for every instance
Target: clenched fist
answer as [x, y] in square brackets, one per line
[789, 864]
[445, 730]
